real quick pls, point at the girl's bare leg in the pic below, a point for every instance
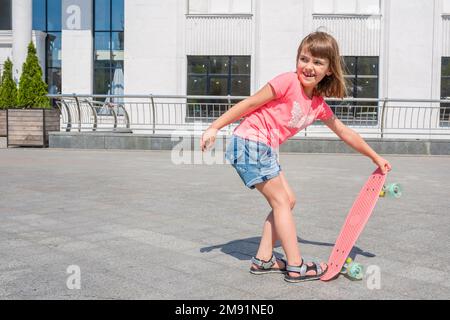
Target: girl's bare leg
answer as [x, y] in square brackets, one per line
[272, 231]
[269, 235]
[283, 221]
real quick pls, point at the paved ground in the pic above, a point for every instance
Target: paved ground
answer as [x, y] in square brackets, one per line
[139, 226]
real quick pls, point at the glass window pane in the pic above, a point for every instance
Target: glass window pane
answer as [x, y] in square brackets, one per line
[54, 80]
[367, 88]
[54, 15]
[54, 50]
[240, 86]
[117, 40]
[39, 15]
[350, 85]
[102, 64]
[5, 15]
[117, 78]
[102, 46]
[102, 15]
[197, 65]
[367, 66]
[445, 88]
[349, 65]
[117, 45]
[445, 70]
[117, 15]
[445, 115]
[218, 65]
[196, 86]
[102, 81]
[240, 65]
[218, 86]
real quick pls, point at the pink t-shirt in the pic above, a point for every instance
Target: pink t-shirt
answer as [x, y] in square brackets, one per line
[281, 118]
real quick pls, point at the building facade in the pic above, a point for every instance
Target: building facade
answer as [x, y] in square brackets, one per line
[395, 49]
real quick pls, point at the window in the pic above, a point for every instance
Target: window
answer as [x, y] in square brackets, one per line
[5, 15]
[445, 91]
[216, 76]
[39, 15]
[220, 7]
[109, 47]
[47, 18]
[361, 75]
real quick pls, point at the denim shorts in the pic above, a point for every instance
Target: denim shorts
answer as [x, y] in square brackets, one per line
[255, 162]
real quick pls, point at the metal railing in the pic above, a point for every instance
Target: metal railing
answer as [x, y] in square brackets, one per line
[152, 114]
[82, 113]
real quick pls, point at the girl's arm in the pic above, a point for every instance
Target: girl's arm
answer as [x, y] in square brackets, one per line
[354, 140]
[239, 110]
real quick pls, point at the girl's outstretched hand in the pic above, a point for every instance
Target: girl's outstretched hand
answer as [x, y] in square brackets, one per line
[383, 164]
[208, 138]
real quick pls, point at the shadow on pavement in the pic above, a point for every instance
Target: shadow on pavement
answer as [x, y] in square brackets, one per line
[240, 249]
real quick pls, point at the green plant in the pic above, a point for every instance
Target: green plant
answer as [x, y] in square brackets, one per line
[32, 89]
[8, 88]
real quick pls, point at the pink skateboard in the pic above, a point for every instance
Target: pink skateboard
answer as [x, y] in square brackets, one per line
[354, 224]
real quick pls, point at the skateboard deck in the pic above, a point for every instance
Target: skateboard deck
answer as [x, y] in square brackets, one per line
[354, 224]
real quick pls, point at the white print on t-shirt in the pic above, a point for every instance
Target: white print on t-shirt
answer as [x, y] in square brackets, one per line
[298, 117]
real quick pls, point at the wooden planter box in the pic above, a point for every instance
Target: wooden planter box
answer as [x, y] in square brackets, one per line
[3, 125]
[30, 127]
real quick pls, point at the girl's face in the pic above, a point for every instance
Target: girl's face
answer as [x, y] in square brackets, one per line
[311, 70]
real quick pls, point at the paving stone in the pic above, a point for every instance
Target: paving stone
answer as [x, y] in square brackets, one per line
[142, 227]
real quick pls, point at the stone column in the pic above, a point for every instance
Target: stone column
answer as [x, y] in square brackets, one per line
[21, 24]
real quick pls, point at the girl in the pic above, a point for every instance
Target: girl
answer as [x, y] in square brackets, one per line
[287, 104]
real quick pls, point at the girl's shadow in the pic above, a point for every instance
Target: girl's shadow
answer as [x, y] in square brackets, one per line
[243, 249]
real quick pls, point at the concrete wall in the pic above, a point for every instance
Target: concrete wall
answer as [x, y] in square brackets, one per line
[112, 140]
[152, 37]
[77, 62]
[410, 49]
[279, 31]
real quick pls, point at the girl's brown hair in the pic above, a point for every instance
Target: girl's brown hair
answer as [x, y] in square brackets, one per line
[323, 45]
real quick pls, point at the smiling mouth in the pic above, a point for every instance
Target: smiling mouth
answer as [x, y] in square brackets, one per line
[308, 75]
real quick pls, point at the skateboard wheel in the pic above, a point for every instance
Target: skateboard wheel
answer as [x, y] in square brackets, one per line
[394, 190]
[356, 271]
